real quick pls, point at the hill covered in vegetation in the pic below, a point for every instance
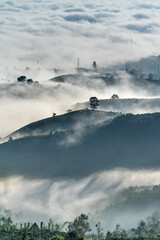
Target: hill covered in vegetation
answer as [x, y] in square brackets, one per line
[69, 121]
[78, 229]
[128, 141]
[129, 205]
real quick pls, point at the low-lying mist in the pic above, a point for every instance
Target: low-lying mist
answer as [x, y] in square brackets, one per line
[22, 104]
[61, 175]
[64, 199]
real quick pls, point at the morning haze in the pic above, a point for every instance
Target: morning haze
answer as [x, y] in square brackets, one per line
[79, 119]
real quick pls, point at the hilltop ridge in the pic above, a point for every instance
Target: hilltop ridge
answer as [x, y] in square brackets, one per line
[67, 121]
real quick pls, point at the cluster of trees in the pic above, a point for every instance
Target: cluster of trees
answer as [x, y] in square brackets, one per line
[94, 102]
[77, 230]
[23, 79]
[137, 196]
[149, 228]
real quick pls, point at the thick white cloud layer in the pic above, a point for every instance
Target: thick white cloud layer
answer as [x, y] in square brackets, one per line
[55, 33]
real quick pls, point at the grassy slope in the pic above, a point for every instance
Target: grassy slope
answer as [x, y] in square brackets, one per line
[64, 122]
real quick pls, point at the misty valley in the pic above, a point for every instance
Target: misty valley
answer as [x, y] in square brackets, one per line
[79, 120]
[100, 156]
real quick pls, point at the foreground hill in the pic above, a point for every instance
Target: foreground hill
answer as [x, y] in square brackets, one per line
[129, 141]
[71, 120]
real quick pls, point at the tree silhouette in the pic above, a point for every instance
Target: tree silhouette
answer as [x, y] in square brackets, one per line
[94, 65]
[94, 103]
[21, 79]
[115, 96]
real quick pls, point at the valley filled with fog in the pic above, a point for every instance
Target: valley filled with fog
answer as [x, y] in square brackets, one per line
[59, 155]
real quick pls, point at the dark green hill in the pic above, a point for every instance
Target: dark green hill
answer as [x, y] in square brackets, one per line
[139, 197]
[131, 204]
[129, 141]
[71, 120]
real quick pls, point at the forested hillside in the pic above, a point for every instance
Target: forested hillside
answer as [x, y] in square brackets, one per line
[78, 229]
[129, 141]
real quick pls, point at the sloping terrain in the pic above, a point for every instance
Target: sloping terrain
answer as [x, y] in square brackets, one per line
[110, 78]
[129, 141]
[71, 120]
[138, 202]
[139, 197]
[88, 80]
[130, 105]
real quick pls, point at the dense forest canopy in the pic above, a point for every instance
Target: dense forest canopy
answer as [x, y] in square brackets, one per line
[78, 229]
